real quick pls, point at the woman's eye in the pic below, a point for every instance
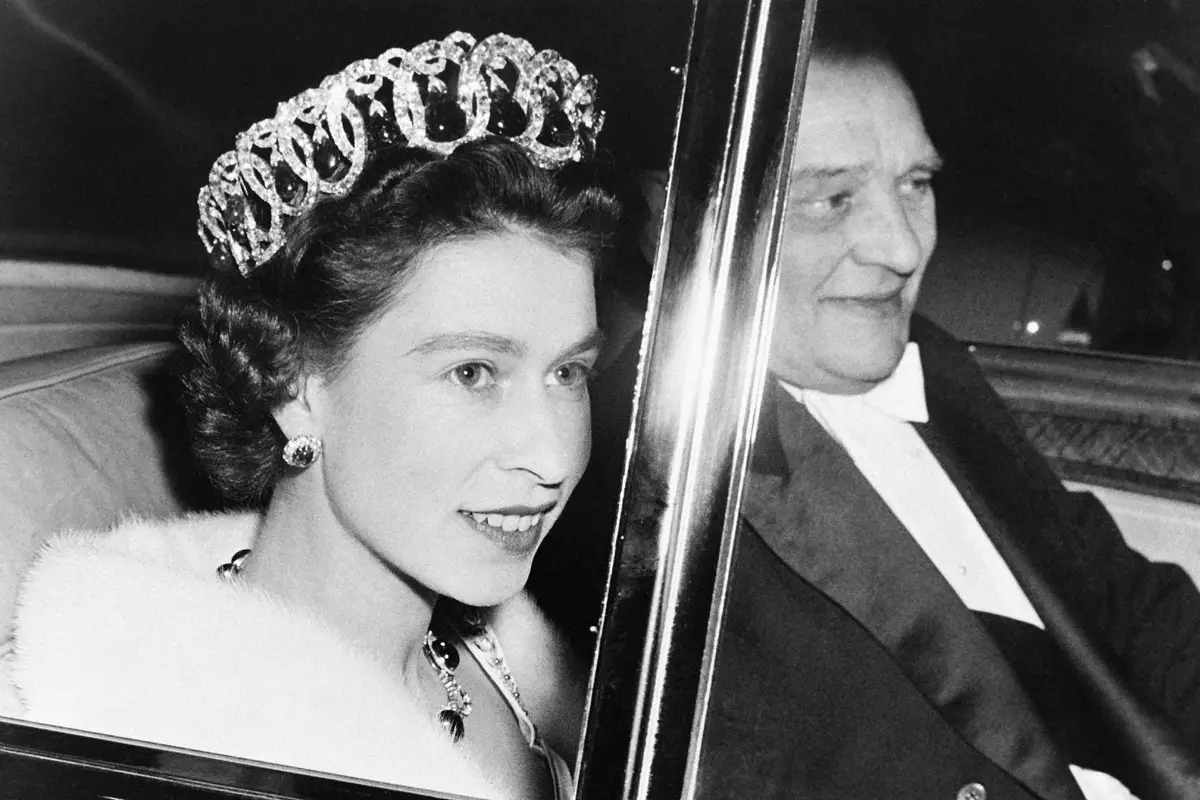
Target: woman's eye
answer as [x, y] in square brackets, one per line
[572, 375]
[473, 375]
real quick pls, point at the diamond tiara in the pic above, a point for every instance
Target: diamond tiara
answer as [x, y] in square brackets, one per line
[437, 96]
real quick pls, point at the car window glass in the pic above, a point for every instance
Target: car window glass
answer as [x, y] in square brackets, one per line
[115, 113]
[1068, 205]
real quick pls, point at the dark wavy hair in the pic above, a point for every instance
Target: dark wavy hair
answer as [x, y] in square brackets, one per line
[248, 339]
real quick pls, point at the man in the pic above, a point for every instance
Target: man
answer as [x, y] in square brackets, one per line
[918, 609]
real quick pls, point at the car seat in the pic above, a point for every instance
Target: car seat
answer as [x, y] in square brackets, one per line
[88, 437]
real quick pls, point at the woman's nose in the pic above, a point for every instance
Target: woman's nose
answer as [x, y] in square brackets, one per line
[546, 438]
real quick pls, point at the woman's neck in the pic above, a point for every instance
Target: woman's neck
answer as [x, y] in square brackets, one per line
[305, 555]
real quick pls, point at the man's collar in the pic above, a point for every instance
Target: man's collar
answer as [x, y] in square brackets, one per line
[900, 395]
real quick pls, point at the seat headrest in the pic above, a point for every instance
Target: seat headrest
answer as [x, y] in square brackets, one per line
[87, 437]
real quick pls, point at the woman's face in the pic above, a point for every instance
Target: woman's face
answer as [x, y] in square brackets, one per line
[460, 425]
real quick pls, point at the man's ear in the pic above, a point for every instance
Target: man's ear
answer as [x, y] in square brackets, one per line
[302, 414]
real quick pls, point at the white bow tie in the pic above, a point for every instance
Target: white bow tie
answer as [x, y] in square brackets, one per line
[900, 395]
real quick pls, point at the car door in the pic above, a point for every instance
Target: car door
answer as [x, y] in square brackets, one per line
[737, 80]
[728, 171]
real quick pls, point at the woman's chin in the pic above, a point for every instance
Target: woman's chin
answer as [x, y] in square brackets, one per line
[491, 590]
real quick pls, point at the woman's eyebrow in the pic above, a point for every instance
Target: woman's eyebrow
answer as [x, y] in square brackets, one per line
[593, 341]
[468, 340]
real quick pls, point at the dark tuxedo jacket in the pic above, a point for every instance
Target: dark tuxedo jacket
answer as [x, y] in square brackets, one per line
[850, 669]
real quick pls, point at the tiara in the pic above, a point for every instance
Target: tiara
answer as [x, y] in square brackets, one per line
[437, 96]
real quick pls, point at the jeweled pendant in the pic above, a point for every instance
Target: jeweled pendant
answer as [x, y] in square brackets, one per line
[446, 654]
[287, 184]
[557, 130]
[452, 721]
[445, 121]
[222, 259]
[507, 117]
[328, 160]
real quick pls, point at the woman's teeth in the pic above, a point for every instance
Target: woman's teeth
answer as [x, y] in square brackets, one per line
[507, 522]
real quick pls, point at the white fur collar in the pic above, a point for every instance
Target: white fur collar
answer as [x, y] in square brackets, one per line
[131, 633]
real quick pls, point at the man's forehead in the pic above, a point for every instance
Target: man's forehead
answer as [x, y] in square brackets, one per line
[859, 114]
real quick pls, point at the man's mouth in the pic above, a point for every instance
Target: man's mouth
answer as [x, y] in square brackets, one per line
[876, 304]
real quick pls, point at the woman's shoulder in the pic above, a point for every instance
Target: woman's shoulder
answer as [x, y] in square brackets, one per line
[131, 632]
[193, 543]
[127, 594]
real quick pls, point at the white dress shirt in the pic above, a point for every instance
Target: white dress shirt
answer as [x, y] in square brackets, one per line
[875, 429]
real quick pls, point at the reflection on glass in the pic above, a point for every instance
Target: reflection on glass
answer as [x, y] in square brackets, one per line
[917, 605]
[386, 381]
[1072, 171]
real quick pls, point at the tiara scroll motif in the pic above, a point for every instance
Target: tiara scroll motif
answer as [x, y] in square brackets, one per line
[437, 96]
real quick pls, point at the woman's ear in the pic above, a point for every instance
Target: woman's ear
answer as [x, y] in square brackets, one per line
[301, 415]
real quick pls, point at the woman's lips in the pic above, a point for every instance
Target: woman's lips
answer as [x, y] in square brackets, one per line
[518, 530]
[508, 522]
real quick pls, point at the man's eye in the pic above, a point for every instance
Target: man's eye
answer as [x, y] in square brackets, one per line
[919, 185]
[473, 375]
[825, 207]
[572, 375]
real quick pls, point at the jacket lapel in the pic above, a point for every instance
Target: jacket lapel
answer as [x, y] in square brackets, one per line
[1019, 519]
[819, 514]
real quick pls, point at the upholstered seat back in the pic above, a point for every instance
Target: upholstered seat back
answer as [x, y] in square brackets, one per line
[86, 437]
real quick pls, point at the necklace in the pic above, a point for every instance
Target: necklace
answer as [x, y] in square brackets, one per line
[443, 655]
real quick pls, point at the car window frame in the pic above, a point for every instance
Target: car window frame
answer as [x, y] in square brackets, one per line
[701, 373]
[714, 282]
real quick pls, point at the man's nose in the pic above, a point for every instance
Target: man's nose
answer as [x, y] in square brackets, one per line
[886, 234]
[540, 438]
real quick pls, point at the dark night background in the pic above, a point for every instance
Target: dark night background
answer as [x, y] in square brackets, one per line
[1071, 178]
[113, 110]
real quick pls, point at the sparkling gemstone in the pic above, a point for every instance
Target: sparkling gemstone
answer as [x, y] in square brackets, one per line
[556, 128]
[221, 259]
[383, 131]
[507, 117]
[287, 183]
[445, 121]
[445, 653]
[305, 455]
[452, 721]
[235, 214]
[328, 161]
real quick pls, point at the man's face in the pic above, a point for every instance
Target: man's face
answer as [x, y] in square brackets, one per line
[859, 230]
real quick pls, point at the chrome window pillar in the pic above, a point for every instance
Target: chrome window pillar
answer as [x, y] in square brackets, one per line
[704, 355]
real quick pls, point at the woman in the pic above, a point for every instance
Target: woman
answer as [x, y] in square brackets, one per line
[396, 375]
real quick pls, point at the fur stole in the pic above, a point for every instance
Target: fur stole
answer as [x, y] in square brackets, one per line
[131, 633]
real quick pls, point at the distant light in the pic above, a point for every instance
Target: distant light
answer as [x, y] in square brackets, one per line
[1032, 327]
[1166, 265]
[1075, 338]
